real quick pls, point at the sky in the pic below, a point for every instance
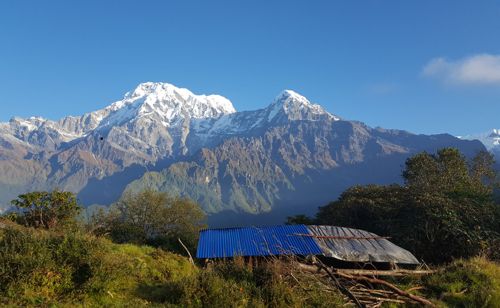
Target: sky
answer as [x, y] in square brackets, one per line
[422, 66]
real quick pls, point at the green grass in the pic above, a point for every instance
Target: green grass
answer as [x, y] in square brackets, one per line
[55, 269]
[465, 283]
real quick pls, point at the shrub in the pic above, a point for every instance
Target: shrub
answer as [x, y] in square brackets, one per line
[38, 268]
[151, 217]
[41, 209]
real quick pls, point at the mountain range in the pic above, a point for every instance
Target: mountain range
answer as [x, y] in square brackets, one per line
[289, 157]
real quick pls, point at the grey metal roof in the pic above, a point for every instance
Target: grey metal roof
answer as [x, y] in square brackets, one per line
[354, 245]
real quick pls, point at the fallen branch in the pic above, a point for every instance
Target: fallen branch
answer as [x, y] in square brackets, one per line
[340, 286]
[390, 286]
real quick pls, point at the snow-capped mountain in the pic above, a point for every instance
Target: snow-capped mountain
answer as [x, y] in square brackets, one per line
[491, 140]
[203, 148]
[160, 115]
[160, 104]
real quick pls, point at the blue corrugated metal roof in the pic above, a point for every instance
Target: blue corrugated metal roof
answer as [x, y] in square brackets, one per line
[256, 241]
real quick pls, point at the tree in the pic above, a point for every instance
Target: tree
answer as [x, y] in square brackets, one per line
[445, 172]
[483, 172]
[42, 209]
[151, 217]
[422, 172]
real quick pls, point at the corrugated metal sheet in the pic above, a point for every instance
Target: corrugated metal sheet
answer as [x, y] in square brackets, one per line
[346, 244]
[256, 241]
[349, 246]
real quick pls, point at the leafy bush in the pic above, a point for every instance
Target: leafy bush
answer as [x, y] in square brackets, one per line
[153, 218]
[41, 209]
[38, 268]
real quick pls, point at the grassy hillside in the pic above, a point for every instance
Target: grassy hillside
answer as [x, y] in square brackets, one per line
[42, 268]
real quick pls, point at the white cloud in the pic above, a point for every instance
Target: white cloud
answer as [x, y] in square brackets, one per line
[482, 69]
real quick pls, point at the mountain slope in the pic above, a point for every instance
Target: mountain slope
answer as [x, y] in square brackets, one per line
[293, 167]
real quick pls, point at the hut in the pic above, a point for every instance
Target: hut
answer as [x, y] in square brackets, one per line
[343, 247]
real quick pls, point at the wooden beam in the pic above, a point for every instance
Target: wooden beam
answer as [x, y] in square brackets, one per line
[399, 272]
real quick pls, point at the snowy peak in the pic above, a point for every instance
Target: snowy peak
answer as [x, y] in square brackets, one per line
[28, 130]
[491, 139]
[495, 133]
[166, 94]
[293, 106]
[289, 99]
[165, 104]
[160, 104]
[290, 95]
[29, 124]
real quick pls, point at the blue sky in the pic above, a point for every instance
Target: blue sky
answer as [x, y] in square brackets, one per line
[423, 66]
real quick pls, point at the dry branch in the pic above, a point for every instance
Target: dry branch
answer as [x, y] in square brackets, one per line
[360, 293]
[390, 286]
[340, 286]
